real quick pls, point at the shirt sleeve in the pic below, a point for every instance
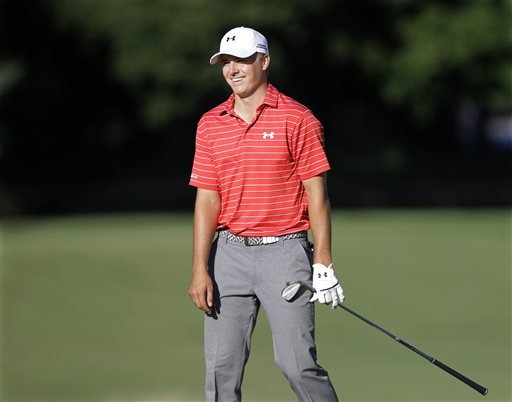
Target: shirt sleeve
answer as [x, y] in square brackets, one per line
[204, 174]
[308, 148]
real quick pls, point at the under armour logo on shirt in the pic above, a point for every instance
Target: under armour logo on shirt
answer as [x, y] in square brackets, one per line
[230, 38]
[268, 135]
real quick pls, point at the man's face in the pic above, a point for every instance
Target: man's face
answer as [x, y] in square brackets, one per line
[246, 75]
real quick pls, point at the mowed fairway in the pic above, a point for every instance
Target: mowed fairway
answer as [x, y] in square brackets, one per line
[95, 308]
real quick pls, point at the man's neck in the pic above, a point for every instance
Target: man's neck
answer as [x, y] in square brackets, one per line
[246, 107]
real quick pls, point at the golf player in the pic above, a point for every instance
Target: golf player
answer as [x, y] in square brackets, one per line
[260, 172]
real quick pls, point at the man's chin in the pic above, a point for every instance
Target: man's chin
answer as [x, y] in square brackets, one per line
[242, 92]
[239, 90]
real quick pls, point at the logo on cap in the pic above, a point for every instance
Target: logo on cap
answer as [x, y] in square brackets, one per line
[232, 38]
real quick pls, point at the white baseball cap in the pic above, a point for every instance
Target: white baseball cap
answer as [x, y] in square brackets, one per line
[241, 42]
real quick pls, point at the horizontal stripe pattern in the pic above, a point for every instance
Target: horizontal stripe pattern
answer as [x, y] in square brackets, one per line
[258, 168]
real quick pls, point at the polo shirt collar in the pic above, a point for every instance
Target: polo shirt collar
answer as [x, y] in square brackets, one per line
[271, 97]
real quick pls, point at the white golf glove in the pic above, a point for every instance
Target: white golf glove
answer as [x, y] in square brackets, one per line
[328, 289]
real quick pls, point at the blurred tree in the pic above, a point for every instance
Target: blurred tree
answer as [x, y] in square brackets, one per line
[161, 48]
[63, 117]
[448, 50]
[423, 55]
[92, 90]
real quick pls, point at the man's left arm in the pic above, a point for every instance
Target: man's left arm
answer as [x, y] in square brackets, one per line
[328, 289]
[319, 209]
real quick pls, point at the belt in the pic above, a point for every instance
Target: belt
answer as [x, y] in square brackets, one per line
[261, 240]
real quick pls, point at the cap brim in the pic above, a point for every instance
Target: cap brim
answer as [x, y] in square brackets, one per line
[242, 53]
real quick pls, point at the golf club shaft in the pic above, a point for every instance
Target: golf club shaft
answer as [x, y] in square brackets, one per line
[477, 387]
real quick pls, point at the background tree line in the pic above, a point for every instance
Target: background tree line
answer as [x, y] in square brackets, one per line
[99, 99]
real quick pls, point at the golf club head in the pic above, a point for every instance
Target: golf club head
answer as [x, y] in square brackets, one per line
[290, 291]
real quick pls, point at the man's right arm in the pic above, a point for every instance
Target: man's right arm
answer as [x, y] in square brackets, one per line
[206, 214]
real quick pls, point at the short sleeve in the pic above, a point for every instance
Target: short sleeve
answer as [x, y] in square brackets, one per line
[308, 147]
[204, 174]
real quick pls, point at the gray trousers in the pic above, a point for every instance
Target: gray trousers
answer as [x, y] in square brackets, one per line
[245, 277]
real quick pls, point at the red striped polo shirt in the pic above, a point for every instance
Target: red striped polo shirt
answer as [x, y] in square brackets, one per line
[258, 168]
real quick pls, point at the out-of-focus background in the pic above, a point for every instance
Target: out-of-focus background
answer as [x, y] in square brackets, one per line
[99, 102]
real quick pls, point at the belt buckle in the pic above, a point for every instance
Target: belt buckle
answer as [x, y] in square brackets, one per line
[260, 241]
[270, 239]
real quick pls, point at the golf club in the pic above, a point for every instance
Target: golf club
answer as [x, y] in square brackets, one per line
[291, 290]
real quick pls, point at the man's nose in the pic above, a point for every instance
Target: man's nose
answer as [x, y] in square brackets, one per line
[233, 67]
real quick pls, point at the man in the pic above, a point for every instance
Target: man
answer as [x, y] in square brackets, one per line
[259, 169]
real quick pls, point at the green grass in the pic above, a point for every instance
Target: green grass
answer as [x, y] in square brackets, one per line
[95, 308]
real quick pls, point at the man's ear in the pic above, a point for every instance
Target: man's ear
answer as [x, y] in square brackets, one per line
[266, 61]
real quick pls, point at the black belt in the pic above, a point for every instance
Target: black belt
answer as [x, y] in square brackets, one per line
[261, 240]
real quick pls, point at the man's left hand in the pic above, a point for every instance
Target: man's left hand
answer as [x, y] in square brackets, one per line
[328, 289]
